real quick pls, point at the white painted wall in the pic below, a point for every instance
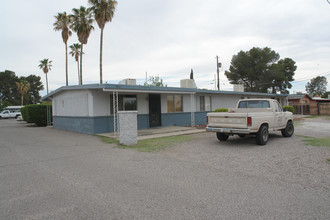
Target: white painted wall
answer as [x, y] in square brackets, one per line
[101, 103]
[73, 103]
[97, 102]
[224, 101]
[143, 103]
[163, 101]
[186, 99]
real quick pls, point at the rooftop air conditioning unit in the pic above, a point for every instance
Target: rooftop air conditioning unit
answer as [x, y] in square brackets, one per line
[187, 83]
[238, 88]
[128, 82]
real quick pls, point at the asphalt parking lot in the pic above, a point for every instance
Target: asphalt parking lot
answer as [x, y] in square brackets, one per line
[47, 173]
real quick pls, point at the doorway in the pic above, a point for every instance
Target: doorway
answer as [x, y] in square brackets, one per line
[154, 110]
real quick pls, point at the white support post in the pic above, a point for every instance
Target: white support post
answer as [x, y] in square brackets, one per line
[192, 101]
[115, 114]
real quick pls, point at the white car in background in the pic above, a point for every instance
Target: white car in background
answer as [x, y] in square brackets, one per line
[10, 114]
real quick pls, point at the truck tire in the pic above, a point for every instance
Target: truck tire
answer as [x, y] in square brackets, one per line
[222, 136]
[288, 130]
[262, 135]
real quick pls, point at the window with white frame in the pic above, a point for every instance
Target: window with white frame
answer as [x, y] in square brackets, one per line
[174, 103]
[205, 103]
[125, 103]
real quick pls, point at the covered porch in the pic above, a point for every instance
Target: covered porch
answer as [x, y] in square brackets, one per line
[161, 132]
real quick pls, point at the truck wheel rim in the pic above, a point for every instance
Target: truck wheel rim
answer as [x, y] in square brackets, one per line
[265, 135]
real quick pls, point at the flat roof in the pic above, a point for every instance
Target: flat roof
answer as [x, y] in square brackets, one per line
[152, 89]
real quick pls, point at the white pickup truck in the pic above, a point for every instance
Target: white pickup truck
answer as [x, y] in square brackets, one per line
[251, 116]
[10, 113]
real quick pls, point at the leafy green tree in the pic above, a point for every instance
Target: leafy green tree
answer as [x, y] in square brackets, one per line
[281, 74]
[103, 12]
[155, 81]
[8, 89]
[62, 23]
[326, 95]
[4, 104]
[45, 65]
[317, 86]
[191, 74]
[260, 69]
[82, 24]
[75, 52]
[33, 95]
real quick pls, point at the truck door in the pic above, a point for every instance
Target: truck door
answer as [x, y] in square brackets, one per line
[278, 115]
[5, 114]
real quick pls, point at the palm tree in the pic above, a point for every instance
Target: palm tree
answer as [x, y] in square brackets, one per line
[81, 22]
[22, 87]
[75, 52]
[103, 12]
[62, 23]
[45, 65]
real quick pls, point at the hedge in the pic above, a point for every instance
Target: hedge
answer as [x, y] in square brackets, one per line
[289, 108]
[25, 114]
[221, 110]
[36, 114]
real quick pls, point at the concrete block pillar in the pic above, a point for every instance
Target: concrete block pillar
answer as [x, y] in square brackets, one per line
[128, 127]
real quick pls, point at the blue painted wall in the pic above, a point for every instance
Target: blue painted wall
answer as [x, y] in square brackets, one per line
[77, 124]
[104, 124]
[200, 118]
[176, 119]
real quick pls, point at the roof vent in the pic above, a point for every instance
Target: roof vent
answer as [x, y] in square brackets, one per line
[128, 82]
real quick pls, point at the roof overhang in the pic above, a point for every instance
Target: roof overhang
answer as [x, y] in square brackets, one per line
[147, 91]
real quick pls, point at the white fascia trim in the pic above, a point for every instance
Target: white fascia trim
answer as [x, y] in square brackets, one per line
[145, 91]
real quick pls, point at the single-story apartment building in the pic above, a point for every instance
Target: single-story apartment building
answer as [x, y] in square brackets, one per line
[93, 108]
[308, 105]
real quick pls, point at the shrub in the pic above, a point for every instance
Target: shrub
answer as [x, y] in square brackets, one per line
[25, 115]
[289, 108]
[221, 110]
[36, 114]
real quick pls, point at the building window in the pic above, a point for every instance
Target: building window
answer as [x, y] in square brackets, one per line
[125, 103]
[174, 103]
[205, 103]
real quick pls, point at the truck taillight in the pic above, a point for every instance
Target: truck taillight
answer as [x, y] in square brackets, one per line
[249, 121]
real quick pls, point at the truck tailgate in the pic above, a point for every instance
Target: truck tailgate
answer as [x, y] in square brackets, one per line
[227, 120]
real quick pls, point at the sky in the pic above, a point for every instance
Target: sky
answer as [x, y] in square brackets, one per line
[168, 39]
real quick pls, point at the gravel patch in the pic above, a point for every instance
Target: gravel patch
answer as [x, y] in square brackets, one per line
[47, 173]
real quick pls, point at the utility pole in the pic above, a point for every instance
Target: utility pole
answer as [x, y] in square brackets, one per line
[218, 66]
[215, 82]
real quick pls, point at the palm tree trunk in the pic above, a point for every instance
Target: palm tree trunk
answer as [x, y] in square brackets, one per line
[81, 53]
[66, 63]
[78, 71]
[47, 83]
[101, 46]
[21, 100]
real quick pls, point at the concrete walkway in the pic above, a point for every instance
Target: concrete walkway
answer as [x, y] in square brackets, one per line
[161, 132]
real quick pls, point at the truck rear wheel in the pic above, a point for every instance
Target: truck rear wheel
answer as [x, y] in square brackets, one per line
[288, 130]
[222, 136]
[262, 135]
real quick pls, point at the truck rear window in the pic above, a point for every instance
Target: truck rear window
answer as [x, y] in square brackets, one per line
[254, 104]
